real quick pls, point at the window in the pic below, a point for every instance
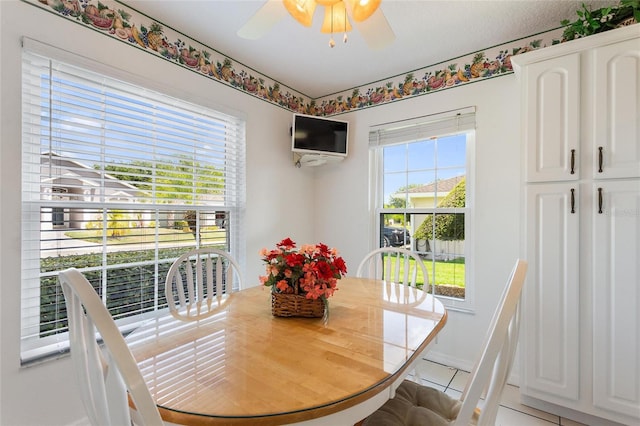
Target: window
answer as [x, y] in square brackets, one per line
[118, 181]
[422, 195]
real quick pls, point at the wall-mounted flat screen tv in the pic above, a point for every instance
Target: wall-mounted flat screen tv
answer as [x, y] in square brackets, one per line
[319, 135]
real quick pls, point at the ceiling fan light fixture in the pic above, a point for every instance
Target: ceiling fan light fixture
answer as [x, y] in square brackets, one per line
[335, 19]
[301, 10]
[363, 9]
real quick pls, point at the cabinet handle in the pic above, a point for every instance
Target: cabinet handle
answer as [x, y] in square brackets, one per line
[600, 159]
[573, 200]
[573, 161]
[599, 200]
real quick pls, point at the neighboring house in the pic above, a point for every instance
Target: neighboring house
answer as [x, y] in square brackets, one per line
[67, 181]
[428, 196]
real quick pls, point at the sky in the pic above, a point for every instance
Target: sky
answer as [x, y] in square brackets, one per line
[423, 162]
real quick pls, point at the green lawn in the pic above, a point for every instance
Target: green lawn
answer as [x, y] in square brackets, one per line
[446, 272]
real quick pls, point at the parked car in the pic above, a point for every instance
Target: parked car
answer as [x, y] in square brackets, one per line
[395, 237]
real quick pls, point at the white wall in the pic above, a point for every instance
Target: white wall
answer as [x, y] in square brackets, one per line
[346, 218]
[327, 204]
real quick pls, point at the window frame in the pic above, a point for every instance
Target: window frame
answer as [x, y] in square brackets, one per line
[434, 126]
[34, 346]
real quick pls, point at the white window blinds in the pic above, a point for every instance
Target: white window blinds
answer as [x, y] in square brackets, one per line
[420, 128]
[118, 180]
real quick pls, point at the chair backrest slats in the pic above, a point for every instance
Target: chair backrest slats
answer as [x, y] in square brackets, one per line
[199, 283]
[179, 288]
[190, 285]
[394, 264]
[209, 274]
[212, 284]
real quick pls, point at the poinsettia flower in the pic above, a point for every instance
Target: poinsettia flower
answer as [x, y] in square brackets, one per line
[287, 244]
[313, 292]
[282, 285]
[329, 292]
[324, 271]
[340, 265]
[294, 259]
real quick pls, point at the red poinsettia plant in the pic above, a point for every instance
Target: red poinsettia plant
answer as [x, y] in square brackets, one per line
[312, 270]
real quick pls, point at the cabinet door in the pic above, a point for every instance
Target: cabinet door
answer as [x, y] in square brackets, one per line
[550, 320]
[551, 118]
[616, 121]
[616, 297]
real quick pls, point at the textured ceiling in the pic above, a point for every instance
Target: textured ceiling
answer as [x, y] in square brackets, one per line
[427, 32]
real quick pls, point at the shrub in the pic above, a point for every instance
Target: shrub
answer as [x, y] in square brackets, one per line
[131, 288]
[180, 224]
[448, 226]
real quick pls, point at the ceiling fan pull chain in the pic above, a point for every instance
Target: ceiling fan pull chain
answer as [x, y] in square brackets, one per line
[331, 42]
[344, 39]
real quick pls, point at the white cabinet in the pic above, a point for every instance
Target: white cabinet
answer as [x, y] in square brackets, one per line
[551, 345]
[615, 122]
[616, 296]
[551, 124]
[580, 341]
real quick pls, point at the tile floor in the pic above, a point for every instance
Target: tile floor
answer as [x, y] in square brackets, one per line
[511, 412]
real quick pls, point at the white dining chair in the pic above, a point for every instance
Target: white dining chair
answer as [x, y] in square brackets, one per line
[401, 266]
[199, 281]
[415, 404]
[105, 375]
[386, 263]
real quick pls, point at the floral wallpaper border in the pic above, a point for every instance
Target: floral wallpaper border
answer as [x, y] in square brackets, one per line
[116, 20]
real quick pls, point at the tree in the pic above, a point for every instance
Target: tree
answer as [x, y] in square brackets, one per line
[117, 224]
[398, 200]
[448, 226]
[184, 179]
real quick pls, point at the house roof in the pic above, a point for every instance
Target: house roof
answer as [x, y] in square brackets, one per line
[78, 170]
[442, 185]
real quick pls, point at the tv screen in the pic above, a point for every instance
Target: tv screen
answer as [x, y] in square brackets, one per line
[317, 135]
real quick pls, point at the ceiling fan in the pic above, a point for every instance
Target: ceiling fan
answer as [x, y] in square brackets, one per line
[365, 15]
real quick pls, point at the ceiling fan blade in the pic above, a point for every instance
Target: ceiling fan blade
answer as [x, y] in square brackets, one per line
[263, 20]
[376, 31]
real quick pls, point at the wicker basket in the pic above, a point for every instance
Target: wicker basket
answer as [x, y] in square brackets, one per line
[295, 305]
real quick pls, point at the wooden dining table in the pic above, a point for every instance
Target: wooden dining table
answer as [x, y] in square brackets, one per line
[242, 365]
